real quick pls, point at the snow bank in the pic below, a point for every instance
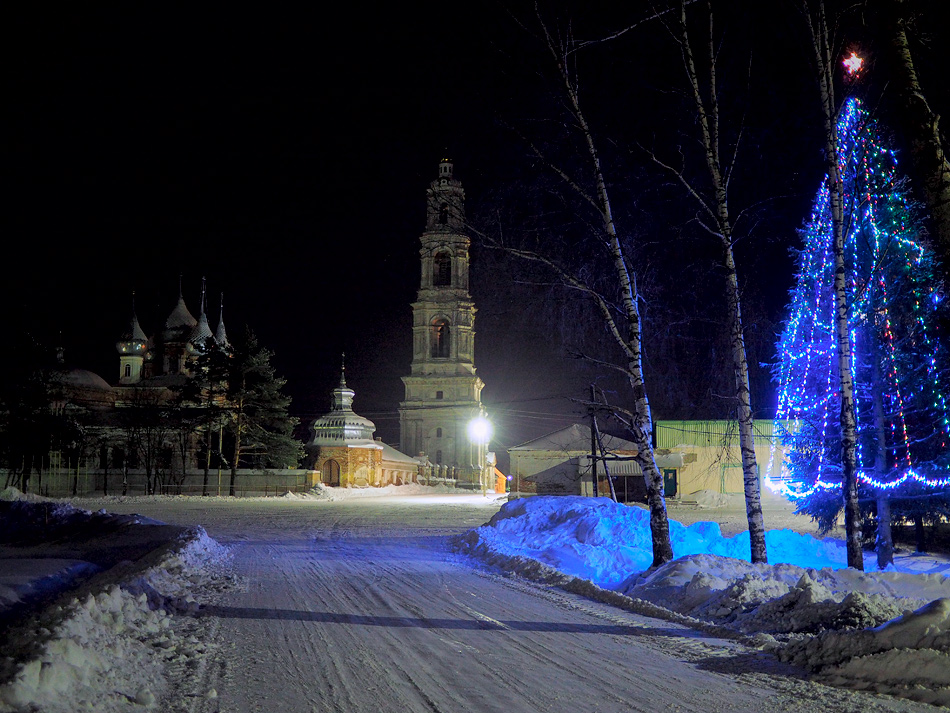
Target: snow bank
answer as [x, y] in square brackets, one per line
[319, 492]
[109, 646]
[322, 492]
[807, 606]
[11, 493]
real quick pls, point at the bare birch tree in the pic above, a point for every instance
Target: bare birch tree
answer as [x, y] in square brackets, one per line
[620, 312]
[714, 217]
[825, 65]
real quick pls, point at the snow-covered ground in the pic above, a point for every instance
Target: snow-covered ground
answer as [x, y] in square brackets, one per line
[351, 600]
[92, 631]
[884, 631]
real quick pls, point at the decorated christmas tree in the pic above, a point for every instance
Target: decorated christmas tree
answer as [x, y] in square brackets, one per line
[899, 360]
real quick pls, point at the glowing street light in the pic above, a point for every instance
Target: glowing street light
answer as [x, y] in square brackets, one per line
[479, 430]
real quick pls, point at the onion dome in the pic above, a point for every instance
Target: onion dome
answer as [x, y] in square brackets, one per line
[133, 339]
[220, 335]
[342, 426]
[180, 323]
[202, 332]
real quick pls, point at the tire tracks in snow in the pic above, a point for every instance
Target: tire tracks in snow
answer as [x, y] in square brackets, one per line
[355, 607]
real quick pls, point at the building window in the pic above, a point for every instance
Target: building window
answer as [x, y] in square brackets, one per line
[442, 270]
[440, 339]
[438, 394]
[438, 431]
[444, 214]
[438, 457]
[128, 370]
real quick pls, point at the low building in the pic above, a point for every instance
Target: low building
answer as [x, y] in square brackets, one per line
[558, 463]
[710, 455]
[342, 452]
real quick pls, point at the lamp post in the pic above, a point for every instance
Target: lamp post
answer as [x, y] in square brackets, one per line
[479, 433]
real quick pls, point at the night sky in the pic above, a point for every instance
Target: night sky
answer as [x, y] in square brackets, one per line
[284, 156]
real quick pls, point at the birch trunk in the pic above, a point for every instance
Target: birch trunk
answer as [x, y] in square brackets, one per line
[825, 66]
[707, 110]
[630, 336]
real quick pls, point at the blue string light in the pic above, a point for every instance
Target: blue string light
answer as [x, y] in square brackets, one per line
[897, 358]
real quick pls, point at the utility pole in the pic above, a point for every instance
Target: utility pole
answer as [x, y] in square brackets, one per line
[593, 441]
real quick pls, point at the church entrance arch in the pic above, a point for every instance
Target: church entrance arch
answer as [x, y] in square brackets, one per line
[331, 473]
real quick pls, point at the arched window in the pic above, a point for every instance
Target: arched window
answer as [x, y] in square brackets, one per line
[128, 370]
[331, 473]
[438, 457]
[442, 270]
[438, 433]
[440, 339]
[444, 214]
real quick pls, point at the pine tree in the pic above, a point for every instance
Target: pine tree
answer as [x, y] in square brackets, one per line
[899, 364]
[208, 389]
[259, 419]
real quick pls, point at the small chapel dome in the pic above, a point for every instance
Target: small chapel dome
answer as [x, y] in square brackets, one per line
[342, 425]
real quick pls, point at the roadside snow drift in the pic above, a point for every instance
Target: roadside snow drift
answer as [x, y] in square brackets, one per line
[107, 642]
[885, 631]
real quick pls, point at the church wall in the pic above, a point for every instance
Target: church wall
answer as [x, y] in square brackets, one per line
[363, 467]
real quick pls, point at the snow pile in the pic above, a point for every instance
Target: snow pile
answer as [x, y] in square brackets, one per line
[807, 606]
[323, 492]
[23, 580]
[102, 652]
[110, 644]
[711, 499]
[11, 493]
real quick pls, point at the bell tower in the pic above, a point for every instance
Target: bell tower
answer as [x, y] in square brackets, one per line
[443, 392]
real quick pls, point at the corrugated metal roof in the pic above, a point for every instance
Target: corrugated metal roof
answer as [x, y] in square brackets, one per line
[615, 467]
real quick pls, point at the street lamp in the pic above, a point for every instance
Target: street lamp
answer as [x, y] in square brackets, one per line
[479, 433]
[480, 430]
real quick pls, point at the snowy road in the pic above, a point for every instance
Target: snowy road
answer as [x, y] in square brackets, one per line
[359, 605]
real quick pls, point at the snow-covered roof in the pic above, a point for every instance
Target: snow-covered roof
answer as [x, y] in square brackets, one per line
[391, 454]
[202, 331]
[342, 426]
[133, 332]
[180, 323]
[574, 438]
[83, 379]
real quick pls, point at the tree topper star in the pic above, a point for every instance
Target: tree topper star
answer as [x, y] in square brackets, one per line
[853, 64]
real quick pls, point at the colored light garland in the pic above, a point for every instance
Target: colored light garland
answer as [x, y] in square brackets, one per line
[896, 357]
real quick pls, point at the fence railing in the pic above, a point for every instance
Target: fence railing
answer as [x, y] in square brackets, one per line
[85, 482]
